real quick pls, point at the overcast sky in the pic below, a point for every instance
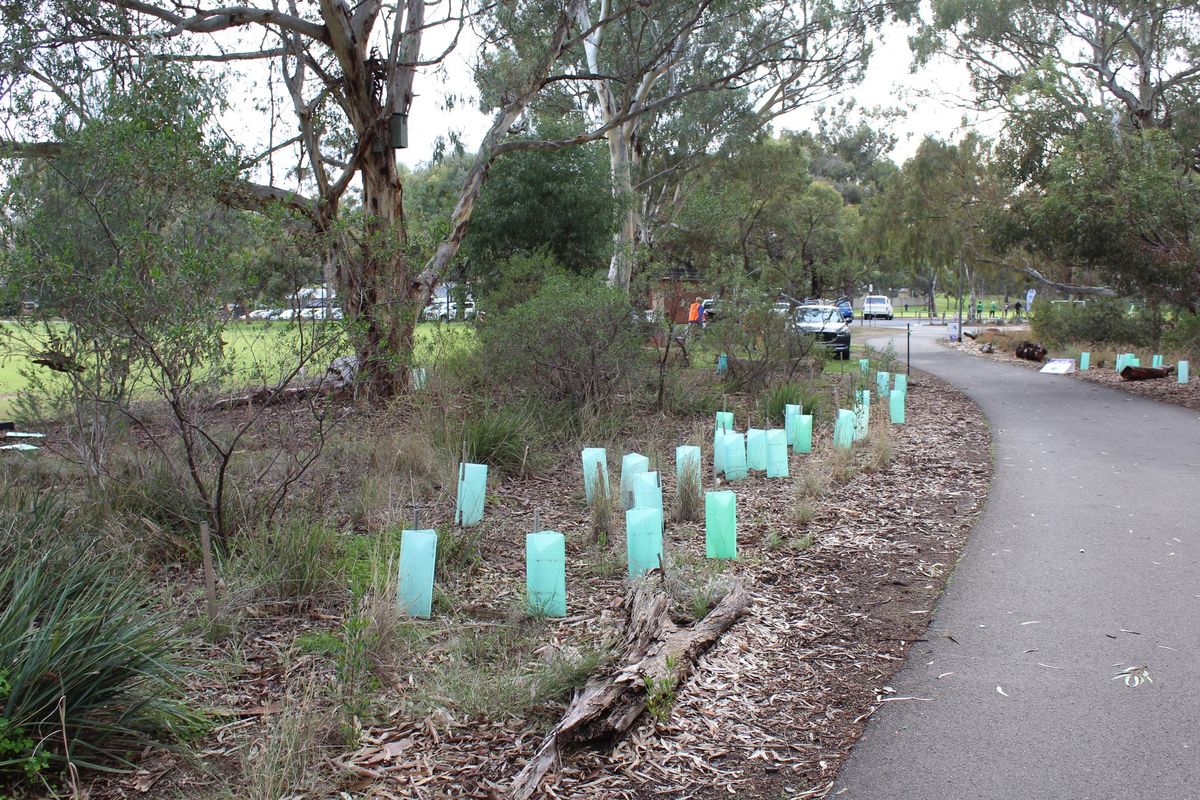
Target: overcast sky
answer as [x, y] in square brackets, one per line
[931, 99]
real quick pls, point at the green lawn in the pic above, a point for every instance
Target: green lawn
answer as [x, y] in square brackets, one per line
[256, 351]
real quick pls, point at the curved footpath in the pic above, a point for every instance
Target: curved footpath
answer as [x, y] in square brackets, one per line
[1086, 562]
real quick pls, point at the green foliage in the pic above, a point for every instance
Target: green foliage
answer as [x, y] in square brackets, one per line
[506, 438]
[577, 340]
[1099, 321]
[558, 202]
[457, 550]
[660, 692]
[91, 671]
[297, 562]
[518, 277]
[760, 342]
[777, 398]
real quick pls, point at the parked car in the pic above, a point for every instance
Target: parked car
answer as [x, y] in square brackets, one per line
[876, 306]
[710, 309]
[825, 322]
[847, 310]
[261, 313]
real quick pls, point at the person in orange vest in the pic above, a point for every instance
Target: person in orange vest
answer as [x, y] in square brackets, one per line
[694, 313]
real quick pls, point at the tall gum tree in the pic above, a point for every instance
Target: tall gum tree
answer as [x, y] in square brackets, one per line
[755, 59]
[345, 70]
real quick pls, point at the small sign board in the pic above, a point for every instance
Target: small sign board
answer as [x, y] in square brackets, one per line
[952, 331]
[1059, 366]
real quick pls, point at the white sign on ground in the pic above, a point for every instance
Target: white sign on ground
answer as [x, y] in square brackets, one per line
[952, 331]
[1059, 366]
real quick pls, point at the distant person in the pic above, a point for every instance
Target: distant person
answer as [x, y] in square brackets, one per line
[993, 309]
[695, 312]
[906, 309]
[1006, 305]
[1017, 310]
[979, 310]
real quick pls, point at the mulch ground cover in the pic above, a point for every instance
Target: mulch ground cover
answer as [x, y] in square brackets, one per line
[1166, 390]
[771, 710]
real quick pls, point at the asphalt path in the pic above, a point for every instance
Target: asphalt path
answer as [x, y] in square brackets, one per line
[1086, 562]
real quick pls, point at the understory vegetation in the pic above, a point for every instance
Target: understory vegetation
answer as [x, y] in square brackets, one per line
[109, 643]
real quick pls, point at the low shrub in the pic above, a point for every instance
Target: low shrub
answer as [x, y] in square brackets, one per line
[778, 397]
[295, 562]
[90, 671]
[1103, 321]
[504, 438]
[577, 340]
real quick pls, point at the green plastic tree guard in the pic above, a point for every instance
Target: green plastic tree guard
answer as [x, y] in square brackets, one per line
[862, 415]
[1156, 360]
[418, 554]
[881, 384]
[722, 364]
[1133, 361]
[896, 406]
[864, 364]
[643, 540]
[901, 383]
[843, 429]
[647, 491]
[687, 465]
[803, 442]
[777, 453]
[791, 419]
[546, 573]
[718, 453]
[472, 487]
[1181, 372]
[1085, 361]
[725, 422]
[595, 471]
[734, 445]
[720, 524]
[632, 465]
[756, 448]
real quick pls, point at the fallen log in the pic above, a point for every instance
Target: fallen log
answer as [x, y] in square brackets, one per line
[657, 653]
[1132, 373]
[1031, 351]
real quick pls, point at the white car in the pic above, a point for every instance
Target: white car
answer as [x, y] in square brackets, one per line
[876, 306]
[261, 313]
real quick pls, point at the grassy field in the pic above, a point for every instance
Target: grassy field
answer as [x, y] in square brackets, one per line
[255, 351]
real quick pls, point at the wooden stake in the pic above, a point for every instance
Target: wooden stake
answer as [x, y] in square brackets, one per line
[537, 521]
[210, 577]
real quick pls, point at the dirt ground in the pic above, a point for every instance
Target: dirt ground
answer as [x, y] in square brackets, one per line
[770, 711]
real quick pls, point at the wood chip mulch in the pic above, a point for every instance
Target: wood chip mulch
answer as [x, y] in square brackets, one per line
[774, 707]
[1166, 390]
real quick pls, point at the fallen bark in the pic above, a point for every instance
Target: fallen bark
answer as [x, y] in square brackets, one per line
[1031, 351]
[656, 652]
[1132, 373]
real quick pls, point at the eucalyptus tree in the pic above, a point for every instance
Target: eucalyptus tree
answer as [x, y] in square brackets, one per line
[756, 59]
[1053, 65]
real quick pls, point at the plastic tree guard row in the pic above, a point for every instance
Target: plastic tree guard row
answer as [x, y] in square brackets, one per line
[756, 449]
[734, 458]
[546, 573]
[896, 406]
[418, 554]
[687, 467]
[862, 415]
[643, 540]
[843, 429]
[472, 487]
[720, 524]
[632, 465]
[595, 472]
[647, 491]
[777, 453]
